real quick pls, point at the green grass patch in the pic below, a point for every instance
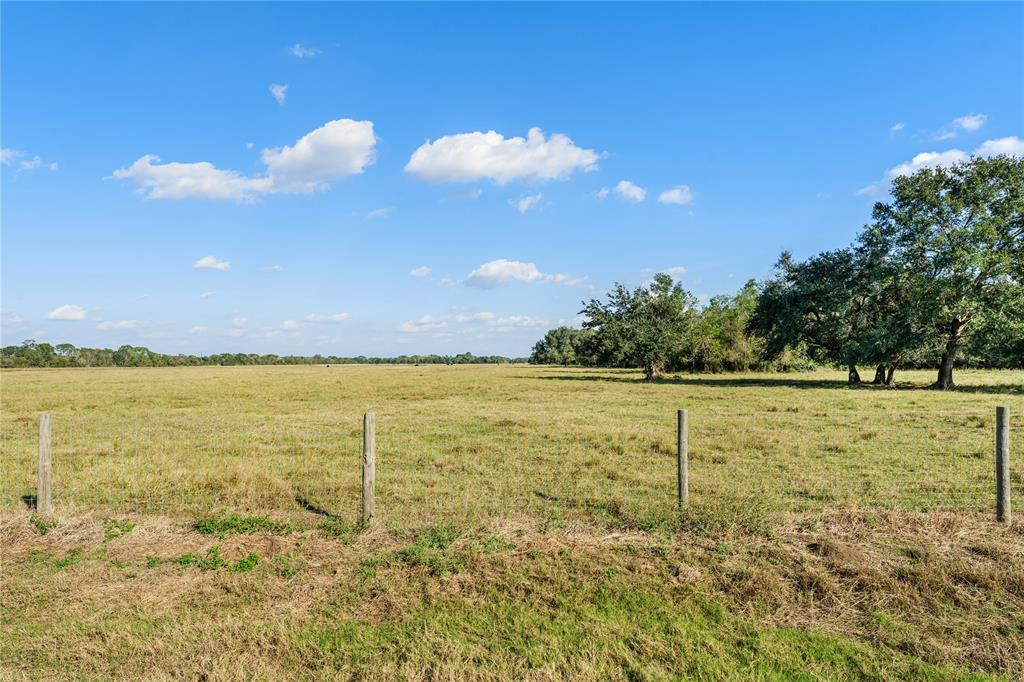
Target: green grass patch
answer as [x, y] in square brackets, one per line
[43, 524]
[239, 524]
[115, 528]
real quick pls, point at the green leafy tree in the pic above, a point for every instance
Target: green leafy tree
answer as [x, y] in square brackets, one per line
[957, 233]
[641, 327]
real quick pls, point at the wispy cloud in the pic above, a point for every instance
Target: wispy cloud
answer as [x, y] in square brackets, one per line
[279, 92]
[24, 163]
[336, 317]
[525, 203]
[303, 52]
[379, 213]
[679, 195]
[421, 271]
[110, 325]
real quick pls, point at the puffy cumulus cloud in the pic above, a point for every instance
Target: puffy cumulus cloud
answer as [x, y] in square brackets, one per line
[525, 203]
[518, 321]
[475, 317]
[468, 157]
[629, 191]
[67, 312]
[421, 271]
[1010, 146]
[110, 325]
[679, 195]
[500, 272]
[625, 190]
[211, 263]
[279, 92]
[334, 151]
[336, 317]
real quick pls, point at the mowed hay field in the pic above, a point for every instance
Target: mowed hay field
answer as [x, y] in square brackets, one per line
[205, 526]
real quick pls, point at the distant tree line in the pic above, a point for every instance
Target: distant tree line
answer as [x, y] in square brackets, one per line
[32, 354]
[936, 279]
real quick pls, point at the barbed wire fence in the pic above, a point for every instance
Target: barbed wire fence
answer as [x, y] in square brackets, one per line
[475, 468]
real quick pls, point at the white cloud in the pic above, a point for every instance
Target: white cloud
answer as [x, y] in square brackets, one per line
[239, 321]
[630, 192]
[303, 52]
[483, 316]
[525, 203]
[421, 271]
[379, 213]
[602, 193]
[680, 195]
[208, 294]
[336, 317]
[274, 268]
[279, 91]
[198, 329]
[1012, 146]
[468, 157]
[676, 271]
[472, 194]
[115, 326]
[12, 319]
[970, 122]
[9, 156]
[424, 324]
[250, 145]
[334, 151]
[67, 312]
[896, 127]
[502, 271]
[519, 321]
[211, 263]
[291, 325]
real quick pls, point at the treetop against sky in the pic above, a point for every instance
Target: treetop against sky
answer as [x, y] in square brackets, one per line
[396, 178]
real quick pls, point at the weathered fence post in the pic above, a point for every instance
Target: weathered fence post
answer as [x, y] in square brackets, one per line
[44, 504]
[369, 466]
[683, 454]
[1003, 464]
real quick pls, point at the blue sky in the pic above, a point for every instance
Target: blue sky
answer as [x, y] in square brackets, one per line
[368, 208]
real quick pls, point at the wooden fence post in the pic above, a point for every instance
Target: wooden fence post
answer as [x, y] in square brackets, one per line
[369, 466]
[44, 503]
[1003, 464]
[683, 463]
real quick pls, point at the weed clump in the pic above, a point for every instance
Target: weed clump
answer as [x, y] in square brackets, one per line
[239, 524]
[115, 528]
[43, 524]
[432, 549]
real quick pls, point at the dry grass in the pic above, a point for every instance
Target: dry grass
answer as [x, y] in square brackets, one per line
[527, 527]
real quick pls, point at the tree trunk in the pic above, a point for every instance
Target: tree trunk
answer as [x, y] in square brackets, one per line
[888, 376]
[945, 380]
[853, 377]
[879, 375]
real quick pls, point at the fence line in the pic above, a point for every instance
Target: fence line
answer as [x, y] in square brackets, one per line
[495, 469]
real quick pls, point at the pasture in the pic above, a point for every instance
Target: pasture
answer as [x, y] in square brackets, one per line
[527, 527]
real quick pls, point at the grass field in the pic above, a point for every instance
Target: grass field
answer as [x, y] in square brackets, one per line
[527, 526]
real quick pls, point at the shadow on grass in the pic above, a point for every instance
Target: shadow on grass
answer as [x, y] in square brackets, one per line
[770, 382]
